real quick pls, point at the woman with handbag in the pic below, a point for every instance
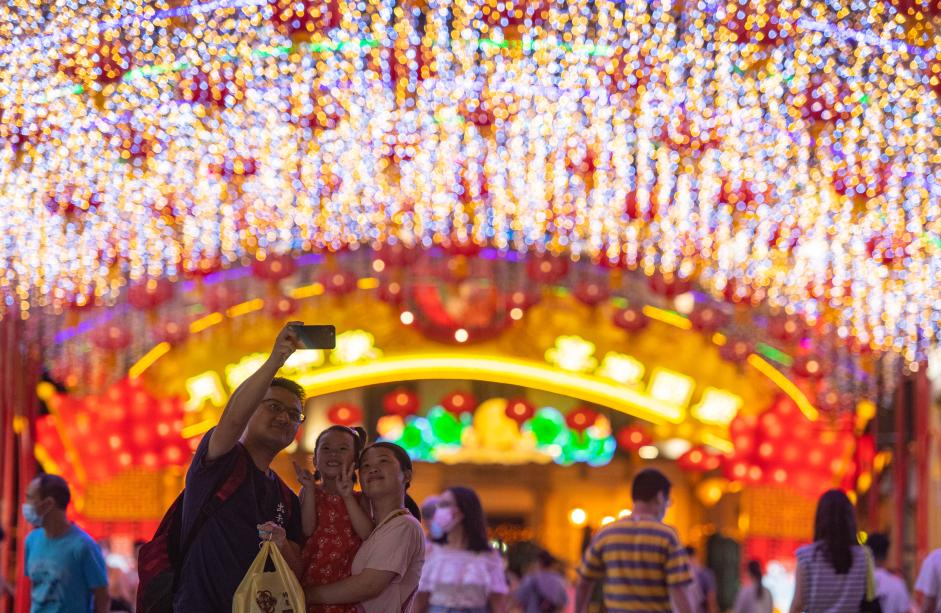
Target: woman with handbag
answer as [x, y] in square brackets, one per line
[834, 573]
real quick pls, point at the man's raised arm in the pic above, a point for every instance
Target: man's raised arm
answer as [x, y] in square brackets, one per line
[246, 398]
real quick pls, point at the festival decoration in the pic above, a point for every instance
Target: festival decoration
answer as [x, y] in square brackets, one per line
[520, 410]
[632, 438]
[458, 403]
[400, 402]
[275, 104]
[345, 414]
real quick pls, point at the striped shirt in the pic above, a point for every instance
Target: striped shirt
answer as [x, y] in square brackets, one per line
[638, 560]
[824, 590]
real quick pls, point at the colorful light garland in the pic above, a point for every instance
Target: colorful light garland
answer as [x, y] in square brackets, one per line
[769, 150]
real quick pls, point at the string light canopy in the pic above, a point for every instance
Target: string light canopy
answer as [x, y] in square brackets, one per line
[784, 151]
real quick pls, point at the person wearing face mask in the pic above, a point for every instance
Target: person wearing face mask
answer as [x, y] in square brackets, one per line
[462, 574]
[65, 567]
[638, 558]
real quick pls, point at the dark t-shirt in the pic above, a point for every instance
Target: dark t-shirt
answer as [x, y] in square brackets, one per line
[228, 541]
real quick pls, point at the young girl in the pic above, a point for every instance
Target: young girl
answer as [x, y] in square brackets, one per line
[335, 519]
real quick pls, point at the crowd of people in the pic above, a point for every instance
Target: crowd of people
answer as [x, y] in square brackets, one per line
[371, 549]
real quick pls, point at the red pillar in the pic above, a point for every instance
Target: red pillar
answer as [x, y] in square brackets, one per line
[20, 366]
[921, 410]
[900, 473]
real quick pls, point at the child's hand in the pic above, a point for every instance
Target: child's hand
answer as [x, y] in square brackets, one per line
[345, 482]
[304, 476]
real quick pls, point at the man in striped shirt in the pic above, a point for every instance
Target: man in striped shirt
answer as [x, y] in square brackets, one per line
[638, 558]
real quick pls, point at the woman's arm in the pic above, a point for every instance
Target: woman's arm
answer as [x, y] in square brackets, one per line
[797, 603]
[420, 604]
[496, 602]
[357, 588]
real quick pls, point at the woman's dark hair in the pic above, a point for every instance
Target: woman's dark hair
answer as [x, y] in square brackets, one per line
[754, 571]
[405, 463]
[359, 441]
[474, 523]
[835, 530]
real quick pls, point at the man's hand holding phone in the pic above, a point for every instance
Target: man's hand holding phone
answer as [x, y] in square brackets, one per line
[286, 344]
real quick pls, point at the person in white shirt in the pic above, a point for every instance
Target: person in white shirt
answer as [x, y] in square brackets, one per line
[928, 585]
[754, 597]
[462, 573]
[890, 588]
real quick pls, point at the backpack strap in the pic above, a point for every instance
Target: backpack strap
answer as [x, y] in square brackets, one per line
[227, 484]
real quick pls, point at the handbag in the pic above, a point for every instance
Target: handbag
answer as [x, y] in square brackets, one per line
[269, 592]
[870, 603]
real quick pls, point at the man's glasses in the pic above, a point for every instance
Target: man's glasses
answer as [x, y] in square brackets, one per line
[279, 407]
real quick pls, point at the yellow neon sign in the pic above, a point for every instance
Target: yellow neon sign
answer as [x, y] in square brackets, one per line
[498, 369]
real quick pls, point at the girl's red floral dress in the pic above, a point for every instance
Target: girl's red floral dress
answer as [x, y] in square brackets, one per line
[329, 551]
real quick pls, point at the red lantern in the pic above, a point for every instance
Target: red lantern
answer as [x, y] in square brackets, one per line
[632, 438]
[631, 319]
[592, 293]
[150, 293]
[274, 267]
[401, 402]
[546, 268]
[396, 255]
[698, 459]
[71, 200]
[345, 414]
[458, 403]
[391, 292]
[758, 23]
[172, 332]
[461, 248]
[207, 88]
[338, 282]
[515, 18]
[682, 135]
[522, 299]
[735, 350]
[234, 167]
[520, 410]
[326, 114]
[809, 366]
[786, 328]
[476, 112]
[111, 337]
[203, 267]
[632, 207]
[581, 418]
[668, 285]
[281, 306]
[219, 297]
[102, 61]
[707, 319]
[822, 101]
[302, 18]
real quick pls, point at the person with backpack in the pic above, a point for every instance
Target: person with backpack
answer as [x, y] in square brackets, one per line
[210, 536]
[543, 589]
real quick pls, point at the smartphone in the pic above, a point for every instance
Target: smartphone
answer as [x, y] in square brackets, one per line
[317, 337]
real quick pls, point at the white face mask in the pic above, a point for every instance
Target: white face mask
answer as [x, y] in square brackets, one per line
[31, 515]
[443, 520]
